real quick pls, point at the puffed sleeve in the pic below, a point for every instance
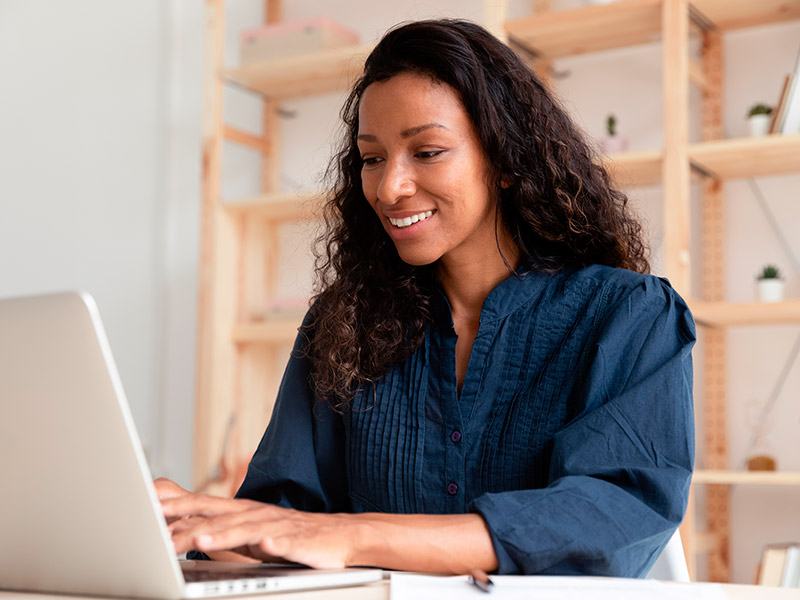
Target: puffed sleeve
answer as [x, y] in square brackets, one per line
[299, 462]
[620, 470]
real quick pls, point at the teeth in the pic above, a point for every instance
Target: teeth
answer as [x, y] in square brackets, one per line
[410, 220]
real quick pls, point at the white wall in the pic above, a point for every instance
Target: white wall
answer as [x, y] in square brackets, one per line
[99, 189]
[81, 156]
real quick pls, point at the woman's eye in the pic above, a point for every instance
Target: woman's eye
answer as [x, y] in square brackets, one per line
[370, 160]
[428, 154]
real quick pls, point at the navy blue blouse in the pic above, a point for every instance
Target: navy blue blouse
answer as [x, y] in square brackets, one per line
[573, 435]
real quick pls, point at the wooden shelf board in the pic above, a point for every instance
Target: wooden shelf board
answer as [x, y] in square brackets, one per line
[276, 207]
[736, 14]
[746, 477]
[296, 76]
[267, 332]
[603, 27]
[554, 34]
[588, 29]
[748, 157]
[635, 169]
[725, 314]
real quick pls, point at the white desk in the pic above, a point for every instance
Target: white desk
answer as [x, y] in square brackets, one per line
[380, 591]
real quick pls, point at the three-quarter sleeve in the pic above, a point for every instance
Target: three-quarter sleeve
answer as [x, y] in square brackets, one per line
[620, 470]
[299, 462]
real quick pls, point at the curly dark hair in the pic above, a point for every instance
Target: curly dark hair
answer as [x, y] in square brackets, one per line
[559, 207]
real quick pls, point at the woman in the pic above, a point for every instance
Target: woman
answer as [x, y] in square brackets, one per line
[487, 378]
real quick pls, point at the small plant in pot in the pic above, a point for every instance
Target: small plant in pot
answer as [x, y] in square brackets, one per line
[613, 143]
[758, 119]
[770, 284]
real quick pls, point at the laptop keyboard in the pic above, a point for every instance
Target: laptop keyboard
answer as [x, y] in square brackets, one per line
[195, 576]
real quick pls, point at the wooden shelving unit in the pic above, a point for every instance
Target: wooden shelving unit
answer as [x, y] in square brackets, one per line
[237, 339]
[298, 76]
[591, 29]
[279, 331]
[728, 15]
[731, 314]
[747, 157]
[721, 159]
[238, 336]
[636, 169]
[634, 22]
[724, 477]
[275, 207]
[553, 35]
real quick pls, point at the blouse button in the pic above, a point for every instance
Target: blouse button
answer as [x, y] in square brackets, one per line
[455, 436]
[452, 489]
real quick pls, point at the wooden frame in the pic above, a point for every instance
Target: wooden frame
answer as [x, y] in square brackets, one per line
[237, 240]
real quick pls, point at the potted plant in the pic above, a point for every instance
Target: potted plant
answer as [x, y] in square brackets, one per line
[770, 284]
[613, 143]
[758, 118]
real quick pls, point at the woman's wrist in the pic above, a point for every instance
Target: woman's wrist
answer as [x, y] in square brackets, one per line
[367, 541]
[426, 543]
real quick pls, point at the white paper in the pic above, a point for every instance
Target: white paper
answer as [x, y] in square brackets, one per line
[405, 586]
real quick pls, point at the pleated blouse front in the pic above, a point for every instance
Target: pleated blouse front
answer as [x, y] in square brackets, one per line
[572, 435]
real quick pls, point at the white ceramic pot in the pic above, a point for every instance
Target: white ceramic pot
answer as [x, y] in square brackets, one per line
[770, 290]
[759, 125]
[613, 144]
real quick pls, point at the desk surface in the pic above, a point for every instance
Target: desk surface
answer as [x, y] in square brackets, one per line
[380, 591]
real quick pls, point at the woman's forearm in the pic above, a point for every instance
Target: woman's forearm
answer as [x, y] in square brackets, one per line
[425, 543]
[254, 530]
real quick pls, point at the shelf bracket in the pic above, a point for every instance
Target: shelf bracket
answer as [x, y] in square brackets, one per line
[699, 20]
[703, 171]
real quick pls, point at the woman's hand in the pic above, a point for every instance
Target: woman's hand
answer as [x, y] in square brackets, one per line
[256, 530]
[238, 529]
[167, 489]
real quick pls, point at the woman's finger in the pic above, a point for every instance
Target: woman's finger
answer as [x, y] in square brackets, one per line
[230, 530]
[205, 505]
[166, 488]
[212, 535]
[183, 524]
[316, 540]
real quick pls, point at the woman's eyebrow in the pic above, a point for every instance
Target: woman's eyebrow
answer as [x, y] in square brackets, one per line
[406, 133]
[412, 131]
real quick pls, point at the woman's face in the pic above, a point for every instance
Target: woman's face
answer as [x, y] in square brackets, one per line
[424, 171]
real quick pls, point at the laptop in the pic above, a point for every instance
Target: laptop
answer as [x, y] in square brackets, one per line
[79, 513]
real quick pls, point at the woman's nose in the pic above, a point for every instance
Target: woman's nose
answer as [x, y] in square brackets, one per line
[397, 182]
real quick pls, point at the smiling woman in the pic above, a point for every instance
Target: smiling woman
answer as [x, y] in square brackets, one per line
[422, 157]
[487, 377]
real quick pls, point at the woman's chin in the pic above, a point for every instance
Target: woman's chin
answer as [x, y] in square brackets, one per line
[417, 259]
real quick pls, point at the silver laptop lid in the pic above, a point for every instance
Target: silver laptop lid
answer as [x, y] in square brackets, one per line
[79, 513]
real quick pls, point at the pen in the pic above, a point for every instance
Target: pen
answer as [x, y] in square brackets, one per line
[481, 580]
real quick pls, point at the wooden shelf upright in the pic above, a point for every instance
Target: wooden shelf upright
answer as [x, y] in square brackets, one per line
[240, 256]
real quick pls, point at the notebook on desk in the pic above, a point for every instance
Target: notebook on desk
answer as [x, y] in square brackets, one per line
[79, 513]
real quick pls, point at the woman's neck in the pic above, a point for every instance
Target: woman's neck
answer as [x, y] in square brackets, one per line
[467, 283]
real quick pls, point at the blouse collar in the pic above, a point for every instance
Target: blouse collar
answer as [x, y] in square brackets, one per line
[506, 297]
